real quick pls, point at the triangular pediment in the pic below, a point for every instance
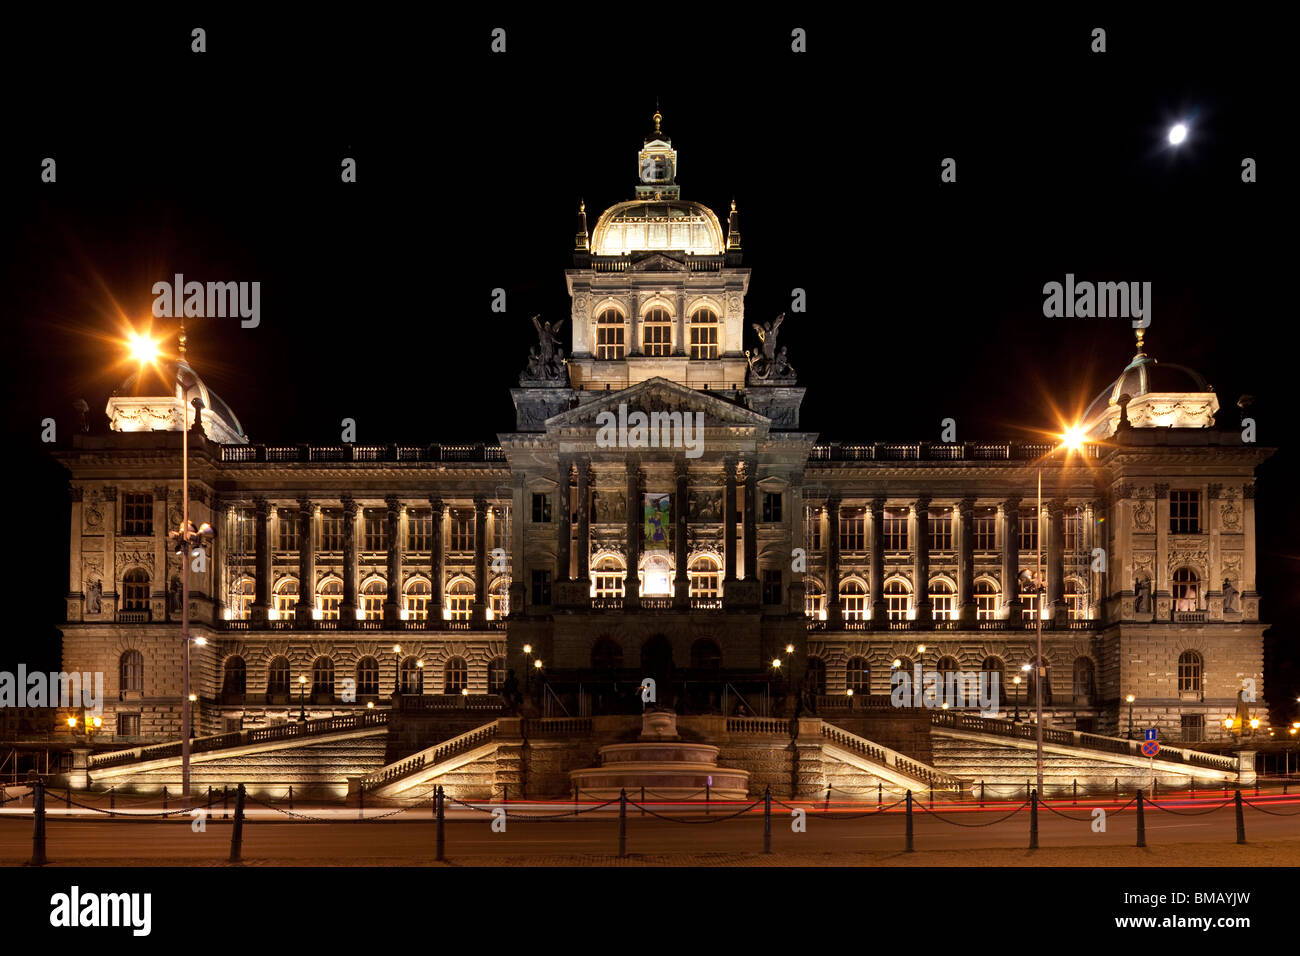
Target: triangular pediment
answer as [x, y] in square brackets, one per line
[660, 395]
[657, 262]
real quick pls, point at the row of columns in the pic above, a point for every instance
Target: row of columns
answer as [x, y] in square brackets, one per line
[964, 532]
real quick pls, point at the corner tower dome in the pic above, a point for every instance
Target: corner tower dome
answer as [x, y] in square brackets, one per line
[658, 219]
[1160, 395]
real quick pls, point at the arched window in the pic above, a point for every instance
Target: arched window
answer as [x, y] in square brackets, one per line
[373, 596]
[657, 337]
[900, 675]
[460, 599]
[410, 678]
[703, 576]
[941, 600]
[606, 655]
[1075, 603]
[277, 678]
[417, 599]
[815, 675]
[896, 596]
[455, 675]
[367, 677]
[610, 335]
[241, 598]
[1083, 680]
[608, 578]
[1189, 672]
[499, 599]
[322, 679]
[995, 667]
[286, 599]
[704, 334]
[986, 601]
[814, 600]
[853, 599]
[131, 672]
[858, 675]
[135, 590]
[1187, 590]
[656, 577]
[706, 655]
[235, 682]
[331, 596]
[948, 690]
[496, 675]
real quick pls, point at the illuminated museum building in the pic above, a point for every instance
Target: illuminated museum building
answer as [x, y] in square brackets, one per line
[325, 558]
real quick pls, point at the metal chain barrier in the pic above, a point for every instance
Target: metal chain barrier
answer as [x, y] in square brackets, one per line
[710, 819]
[161, 813]
[568, 816]
[956, 823]
[1188, 813]
[1270, 812]
[835, 817]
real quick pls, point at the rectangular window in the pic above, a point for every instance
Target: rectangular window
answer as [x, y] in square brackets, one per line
[331, 529]
[1072, 525]
[1193, 727]
[772, 586]
[658, 338]
[287, 520]
[941, 531]
[541, 509]
[376, 531]
[1028, 531]
[128, 725]
[501, 528]
[853, 532]
[1185, 512]
[771, 506]
[245, 532]
[462, 531]
[704, 340]
[419, 530]
[895, 529]
[815, 527]
[541, 587]
[986, 529]
[137, 514]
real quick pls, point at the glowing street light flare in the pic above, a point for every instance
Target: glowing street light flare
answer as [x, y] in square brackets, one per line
[142, 348]
[1073, 438]
[1177, 133]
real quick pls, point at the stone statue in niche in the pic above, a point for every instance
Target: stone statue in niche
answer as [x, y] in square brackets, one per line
[174, 596]
[704, 507]
[1142, 596]
[81, 407]
[1142, 517]
[94, 592]
[546, 359]
[1231, 597]
[609, 506]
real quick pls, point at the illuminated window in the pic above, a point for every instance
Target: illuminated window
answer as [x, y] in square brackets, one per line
[1075, 605]
[501, 528]
[331, 596]
[137, 514]
[460, 599]
[496, 675]
[656, 577]
[814, 601]
[608, 578]
[499, 599]
[287, 523]
[853, 531]
[135, 590]
[941, 530]
[1073, 528]
[286, 598]
[376, 531]
[853, 599]
[417, 600]
[462, 531]
[322, 678]
[277, 678]
[704, 334]
[985, 521]
[411, 679]
[986, 601]
[1028, 598]
[896, 597]
[815, 530]
[1185, 512]
[610, 331]
[1186, 590]
[895, 521]
[331, 529]
[455, 676]
[372, 599]
[241, 599]
[367, 677]
[1028, 531]
[858, 675]
[245, 533]
[657, 337]
[131, 672]
[419, 530]
[941, 601]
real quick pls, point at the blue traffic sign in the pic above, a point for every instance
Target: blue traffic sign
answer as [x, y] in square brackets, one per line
[1150, 748]
[1149, 733]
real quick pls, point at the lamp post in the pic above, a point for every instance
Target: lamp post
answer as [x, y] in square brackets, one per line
[528, 671]
[789, 654]
[1130, 699]
[397, 672]
[302, 699]
[1016, 680]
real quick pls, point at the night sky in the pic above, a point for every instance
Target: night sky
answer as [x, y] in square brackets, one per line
[924, 299]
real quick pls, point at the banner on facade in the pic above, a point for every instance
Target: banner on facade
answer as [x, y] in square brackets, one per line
[658, 522]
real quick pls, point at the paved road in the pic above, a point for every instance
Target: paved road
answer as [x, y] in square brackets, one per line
[410, 836]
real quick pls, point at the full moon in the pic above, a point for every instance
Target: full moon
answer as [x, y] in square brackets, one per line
[1178, 134]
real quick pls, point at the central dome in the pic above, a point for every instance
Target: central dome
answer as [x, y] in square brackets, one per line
[642, 225]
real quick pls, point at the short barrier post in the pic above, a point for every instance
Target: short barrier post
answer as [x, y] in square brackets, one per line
[1117, 788]
[112, 800]
[237, 833]
[38, 825]
[909, 822]
[291, 798]
[1076, 791]
[1155, 788]
[1241, 820]
[225, 802]
[1257, 786]
[931, 796]
[643, 799]
[828, 797]
[981, 794]
[575, 798]
[164, 797]
[1026, 789]
[767, 819]
[708, 796]
[1142, 823]
[361, 802]
[505, 793]
[440, 810]
[1033, 820]
[67, 798]
[622, 824]
[880, 794]
[1192, 784]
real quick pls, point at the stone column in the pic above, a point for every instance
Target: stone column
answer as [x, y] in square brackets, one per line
[1011, 559]
[76, 586]
[1056, 559]
[966, 561]
[729, 520]
[348, 609]
[112, 599]
[217, 557]
[921, 560]
[564, 527]
[681, 508]
[392, 525]
[584, 520]
[162, 550]
[834, 614]
[631, 589]
[478, 613]
[302, 612]
[1093, 539]
[436, 559]
[751, 519]
[879, 614]
[262, 563]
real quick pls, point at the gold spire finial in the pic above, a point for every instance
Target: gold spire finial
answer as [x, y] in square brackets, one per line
[733, 205]
[582, 205]
[658, 116]
[180, 340]
[1140, 334]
